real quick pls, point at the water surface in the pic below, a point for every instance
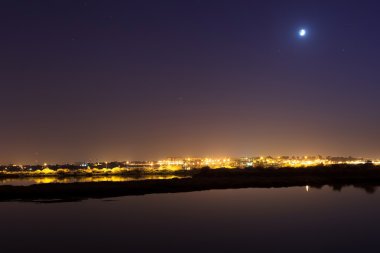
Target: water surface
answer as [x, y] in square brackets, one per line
[244, 220]
[25, 181]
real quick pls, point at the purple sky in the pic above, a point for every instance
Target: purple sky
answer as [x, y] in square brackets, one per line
[118, 80]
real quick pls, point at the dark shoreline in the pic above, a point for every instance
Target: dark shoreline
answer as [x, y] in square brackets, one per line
[366, 177]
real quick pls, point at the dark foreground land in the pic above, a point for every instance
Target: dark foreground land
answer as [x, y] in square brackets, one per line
[365, 176]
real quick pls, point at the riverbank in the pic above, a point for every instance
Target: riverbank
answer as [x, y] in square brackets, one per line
[363, 176]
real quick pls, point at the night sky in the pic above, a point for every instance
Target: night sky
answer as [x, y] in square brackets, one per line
[124, 80]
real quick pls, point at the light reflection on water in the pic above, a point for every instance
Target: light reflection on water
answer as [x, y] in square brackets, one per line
[47, 180]
[295, 219]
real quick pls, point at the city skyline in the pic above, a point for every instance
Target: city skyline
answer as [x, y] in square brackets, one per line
[295, 160]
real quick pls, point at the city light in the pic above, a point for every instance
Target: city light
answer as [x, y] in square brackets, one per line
[181, 164]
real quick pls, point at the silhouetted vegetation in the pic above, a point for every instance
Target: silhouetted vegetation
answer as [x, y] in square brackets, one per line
[365, 176]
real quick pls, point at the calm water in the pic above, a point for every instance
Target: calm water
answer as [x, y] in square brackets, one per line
[108, 178]
[246, 220]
